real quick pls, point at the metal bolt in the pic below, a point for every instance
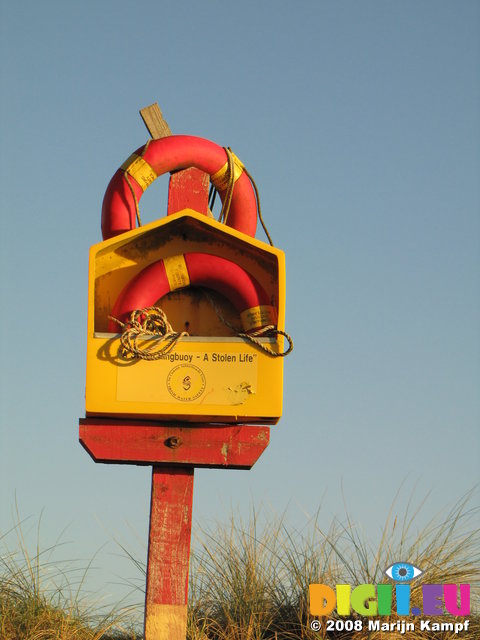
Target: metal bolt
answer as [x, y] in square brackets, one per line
[173, 442]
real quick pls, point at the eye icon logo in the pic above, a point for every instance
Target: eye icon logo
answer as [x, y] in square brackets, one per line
[403, 571]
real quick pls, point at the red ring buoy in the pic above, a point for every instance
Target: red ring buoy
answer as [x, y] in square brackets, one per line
[198, 269]
[171, 154]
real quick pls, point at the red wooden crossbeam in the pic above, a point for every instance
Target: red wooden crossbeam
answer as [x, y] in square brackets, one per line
[216, 446]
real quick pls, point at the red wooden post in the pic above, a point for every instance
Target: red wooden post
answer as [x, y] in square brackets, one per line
[168, 553]
[172, 489]
[188, 189]
[173, 450]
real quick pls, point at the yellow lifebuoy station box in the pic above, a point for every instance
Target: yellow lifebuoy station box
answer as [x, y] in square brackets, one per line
[211, 375]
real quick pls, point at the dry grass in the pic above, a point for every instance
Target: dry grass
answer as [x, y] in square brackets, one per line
[253, 585]
[249, 581]
[41, 599]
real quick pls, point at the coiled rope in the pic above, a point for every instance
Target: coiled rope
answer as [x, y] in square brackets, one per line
[152, 323]
[270, 331]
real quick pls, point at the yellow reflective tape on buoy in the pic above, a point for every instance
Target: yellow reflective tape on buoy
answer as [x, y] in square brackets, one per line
[257, 317]
[140, 170]
[220, 178]
[177, 272]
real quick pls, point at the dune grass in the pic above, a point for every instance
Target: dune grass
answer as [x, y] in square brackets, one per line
[249, 584]
[249, 579]
[43, 598]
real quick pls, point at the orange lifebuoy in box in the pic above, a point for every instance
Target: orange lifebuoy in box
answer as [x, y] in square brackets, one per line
[168, 154]
[198, 269]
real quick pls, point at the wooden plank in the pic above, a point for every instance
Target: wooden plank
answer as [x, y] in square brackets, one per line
[137, 442]
[168, 554]
[188, 189]
[154, 121]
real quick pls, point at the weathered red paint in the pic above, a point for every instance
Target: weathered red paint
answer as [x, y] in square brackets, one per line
[137, 442]
[169, 539]
[168, 553]
[188, 189]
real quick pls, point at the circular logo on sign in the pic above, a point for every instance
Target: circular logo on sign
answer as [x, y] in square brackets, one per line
[186, 382]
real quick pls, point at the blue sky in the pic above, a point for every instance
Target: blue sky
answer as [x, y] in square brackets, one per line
[360, 122]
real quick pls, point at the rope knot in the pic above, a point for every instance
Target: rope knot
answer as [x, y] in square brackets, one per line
[151, 326]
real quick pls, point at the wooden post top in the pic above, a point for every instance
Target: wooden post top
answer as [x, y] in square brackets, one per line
[155, 122]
